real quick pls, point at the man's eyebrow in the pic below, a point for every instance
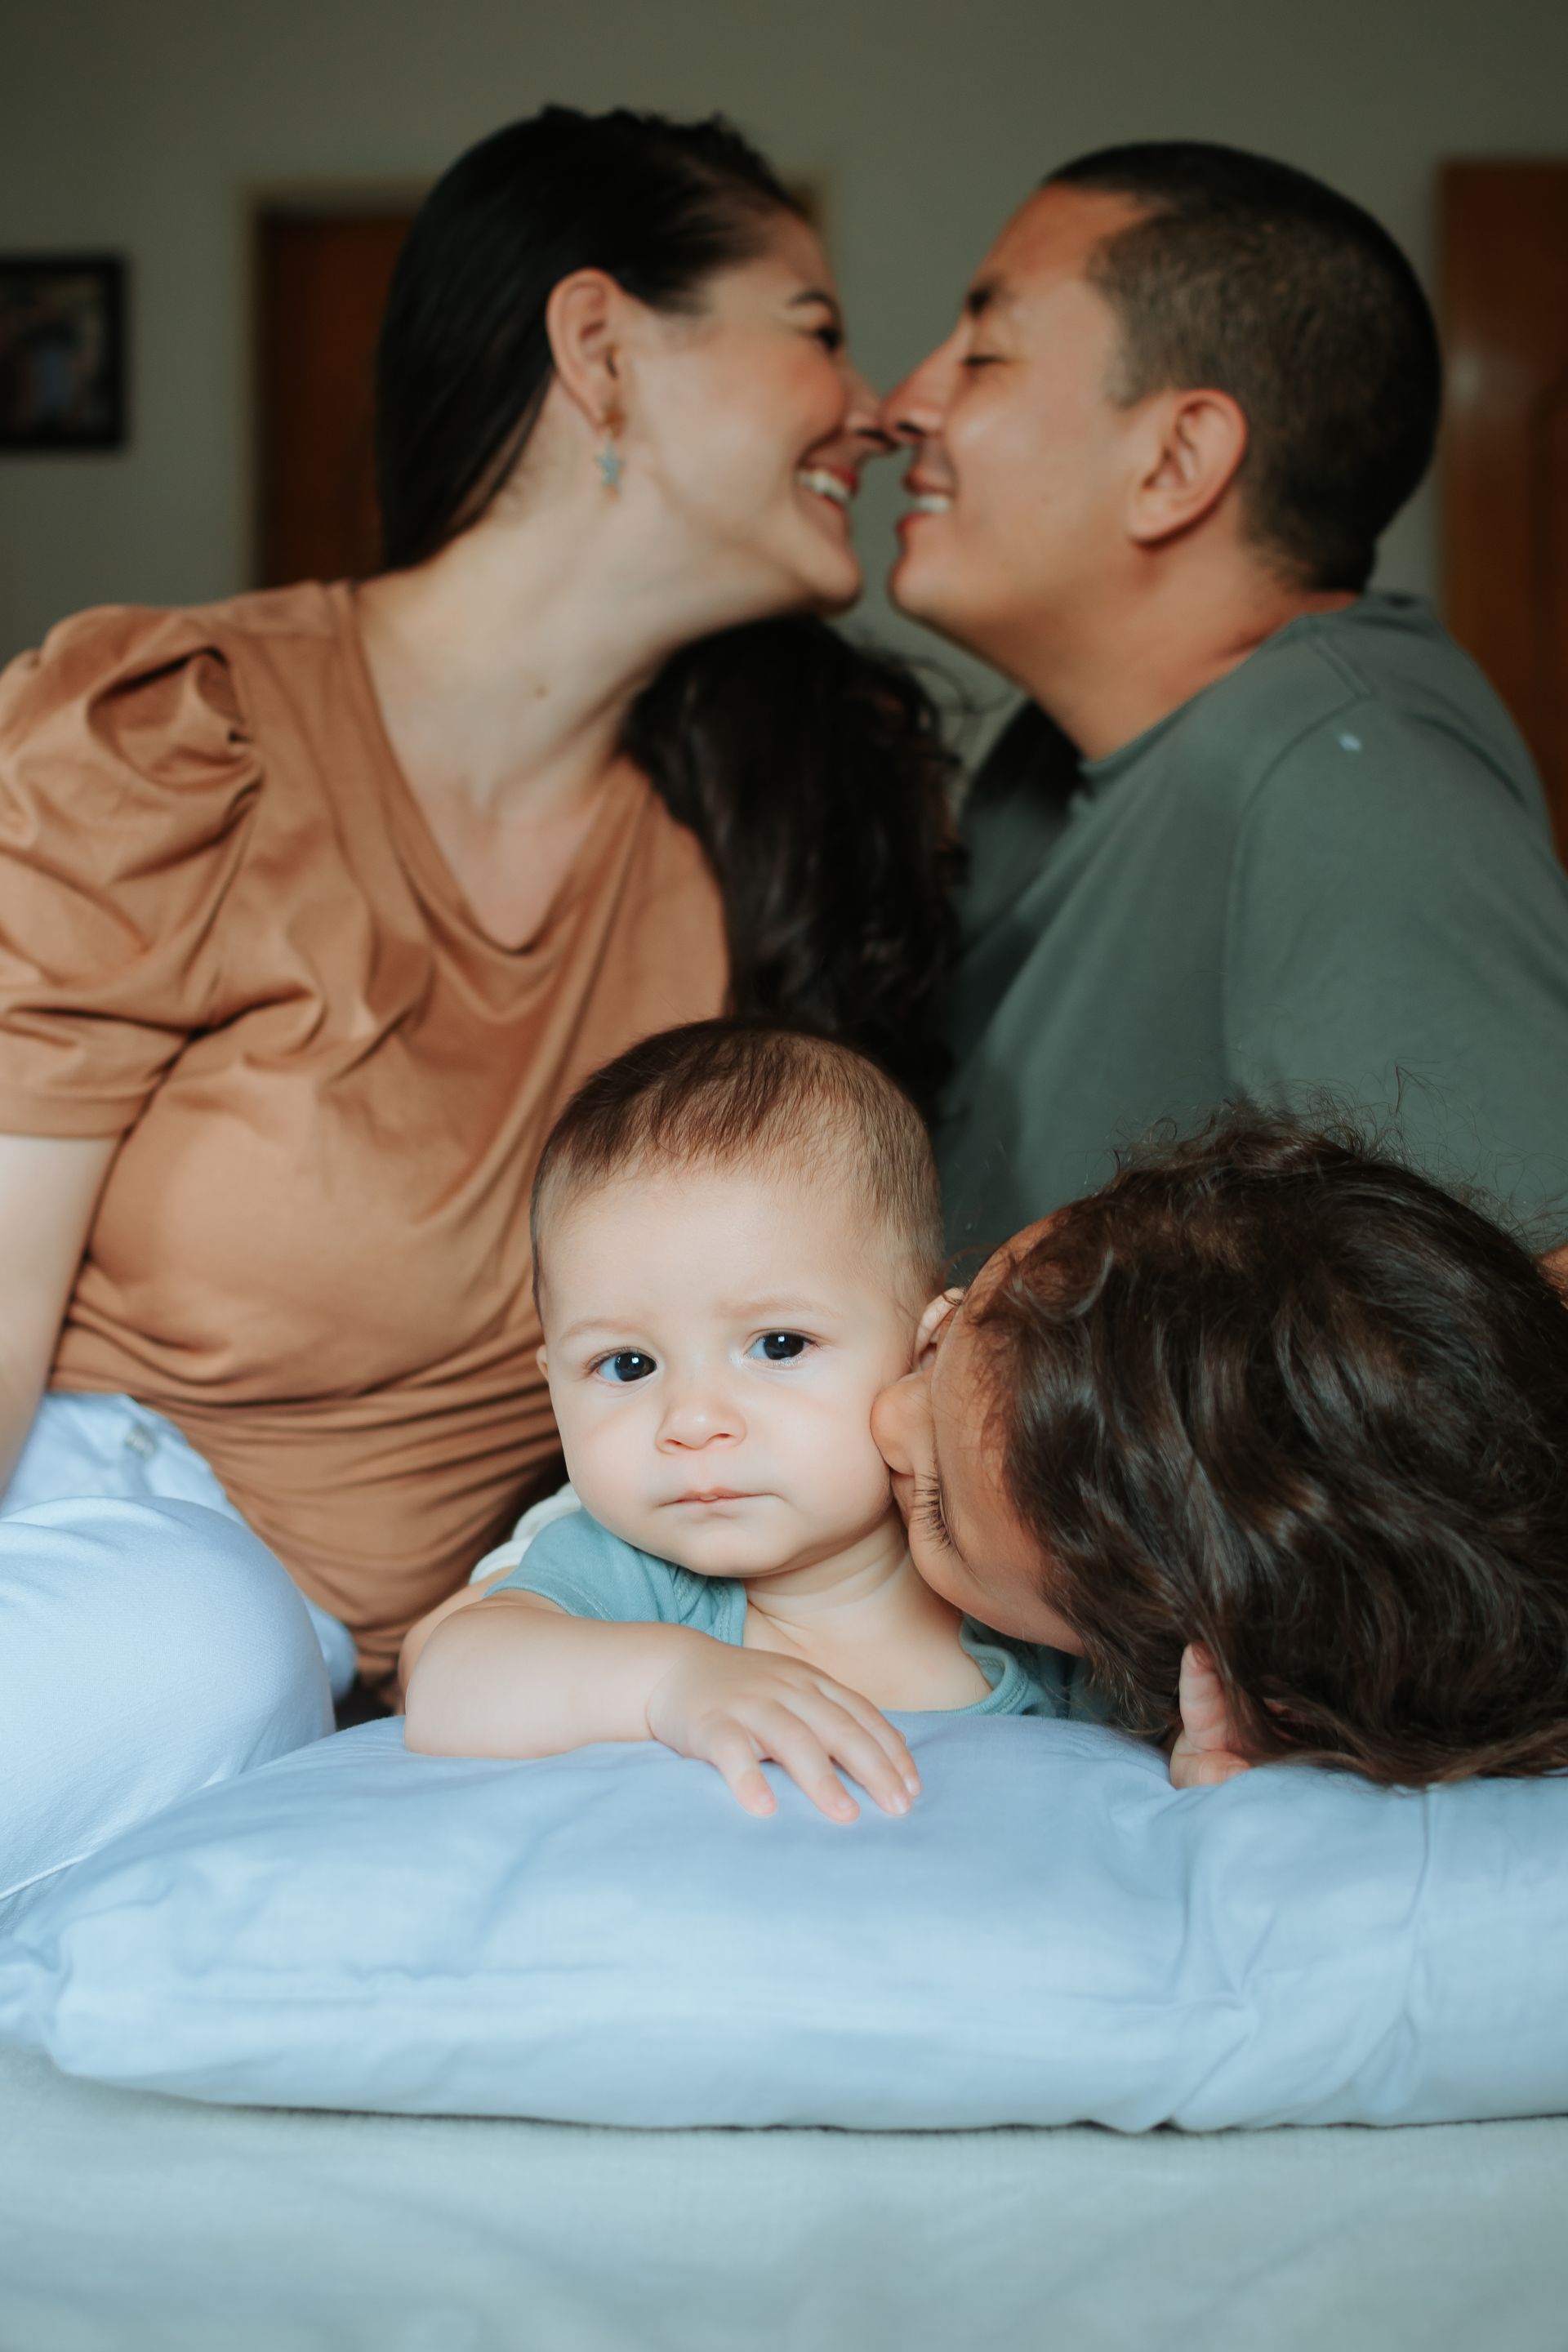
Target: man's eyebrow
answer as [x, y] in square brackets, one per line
[816, 294]
[986, 294]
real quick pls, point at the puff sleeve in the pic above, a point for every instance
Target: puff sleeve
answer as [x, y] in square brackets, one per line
[127, 783]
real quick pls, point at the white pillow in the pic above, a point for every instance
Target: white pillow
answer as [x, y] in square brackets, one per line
[1052, 1935]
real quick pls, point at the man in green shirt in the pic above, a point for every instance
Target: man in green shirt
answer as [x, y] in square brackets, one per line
[1259, 832]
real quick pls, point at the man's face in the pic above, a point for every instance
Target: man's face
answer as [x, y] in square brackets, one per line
[1023, 463]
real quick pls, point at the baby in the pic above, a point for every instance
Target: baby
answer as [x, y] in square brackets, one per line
[736, 1230]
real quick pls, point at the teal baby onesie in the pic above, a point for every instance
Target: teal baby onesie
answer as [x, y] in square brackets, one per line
[589, 1572]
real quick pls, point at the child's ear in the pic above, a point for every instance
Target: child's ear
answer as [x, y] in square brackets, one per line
[542, 1358]
[930, 1326]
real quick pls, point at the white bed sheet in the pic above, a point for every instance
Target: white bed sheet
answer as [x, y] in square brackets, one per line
[135, 2223]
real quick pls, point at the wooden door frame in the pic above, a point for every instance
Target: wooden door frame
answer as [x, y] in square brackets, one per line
[305, 199]
[1469, 468]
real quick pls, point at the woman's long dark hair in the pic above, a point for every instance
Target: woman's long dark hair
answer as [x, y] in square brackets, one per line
[813, 773]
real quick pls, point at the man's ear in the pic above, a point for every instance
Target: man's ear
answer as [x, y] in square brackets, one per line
[584, 318]
[1194, 446]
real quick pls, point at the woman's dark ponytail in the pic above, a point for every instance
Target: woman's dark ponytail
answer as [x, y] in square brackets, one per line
[813, 773]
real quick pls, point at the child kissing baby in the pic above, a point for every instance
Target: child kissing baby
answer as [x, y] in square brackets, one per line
[1261, 1450]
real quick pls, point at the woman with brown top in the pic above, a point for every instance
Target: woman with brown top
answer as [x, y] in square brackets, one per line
[316, 906]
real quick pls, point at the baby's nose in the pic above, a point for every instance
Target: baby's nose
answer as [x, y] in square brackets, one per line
[697, 1417]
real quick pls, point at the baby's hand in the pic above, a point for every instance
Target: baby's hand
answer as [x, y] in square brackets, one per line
[731, 1707]
[1203, 1754]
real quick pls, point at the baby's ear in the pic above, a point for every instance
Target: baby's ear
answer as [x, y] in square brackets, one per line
[541, 1356]
[929, 1328]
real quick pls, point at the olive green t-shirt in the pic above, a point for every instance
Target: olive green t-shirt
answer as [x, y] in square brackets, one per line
[1332, 872]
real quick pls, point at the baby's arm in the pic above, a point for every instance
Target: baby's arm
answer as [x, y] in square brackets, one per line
[419, 1633]
[514, 1674]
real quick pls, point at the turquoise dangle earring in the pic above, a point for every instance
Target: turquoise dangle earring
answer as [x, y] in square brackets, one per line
[610, 462]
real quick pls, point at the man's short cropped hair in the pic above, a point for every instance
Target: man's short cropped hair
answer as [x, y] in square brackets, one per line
[743, 1094]
[1248, 277]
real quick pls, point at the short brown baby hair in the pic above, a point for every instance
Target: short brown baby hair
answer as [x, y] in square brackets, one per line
[1273, 1390]
[734, 1094]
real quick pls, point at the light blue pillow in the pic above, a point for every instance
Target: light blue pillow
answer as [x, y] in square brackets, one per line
[1052, 1936]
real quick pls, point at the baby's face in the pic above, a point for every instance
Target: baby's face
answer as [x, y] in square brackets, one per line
[713, 1342]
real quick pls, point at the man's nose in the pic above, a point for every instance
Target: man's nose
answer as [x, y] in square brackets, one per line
[914, 410]
[863, 419]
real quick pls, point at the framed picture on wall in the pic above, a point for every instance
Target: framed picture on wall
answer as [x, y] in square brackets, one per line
[62, 351]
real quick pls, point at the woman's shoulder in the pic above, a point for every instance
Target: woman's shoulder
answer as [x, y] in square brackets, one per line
[153, 696]
[111, 646]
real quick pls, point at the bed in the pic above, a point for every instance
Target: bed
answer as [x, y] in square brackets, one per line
[132, 2223]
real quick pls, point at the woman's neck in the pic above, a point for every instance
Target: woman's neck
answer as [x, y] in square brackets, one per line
[500, 689]
[506, 663]
[504, 668]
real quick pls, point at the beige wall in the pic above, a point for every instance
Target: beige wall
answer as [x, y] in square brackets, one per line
[141, 125]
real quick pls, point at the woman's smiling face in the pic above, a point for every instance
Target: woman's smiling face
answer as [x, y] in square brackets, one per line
[751, 425]
[942, 1436]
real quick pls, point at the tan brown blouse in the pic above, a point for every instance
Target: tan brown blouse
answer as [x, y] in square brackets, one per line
[228, 936]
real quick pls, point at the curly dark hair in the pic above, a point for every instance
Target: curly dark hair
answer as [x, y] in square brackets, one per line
[1272, 1389]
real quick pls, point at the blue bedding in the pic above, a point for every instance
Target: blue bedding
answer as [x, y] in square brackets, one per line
[1053, 1936]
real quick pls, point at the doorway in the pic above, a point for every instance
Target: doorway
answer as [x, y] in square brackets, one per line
[321, 274]
[1504, 233]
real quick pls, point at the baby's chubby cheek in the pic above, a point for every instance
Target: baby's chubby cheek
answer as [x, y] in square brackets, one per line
[837, 1472]
[610, 1477]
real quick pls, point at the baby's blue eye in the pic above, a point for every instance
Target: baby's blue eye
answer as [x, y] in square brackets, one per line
[630, 1364]
[779, 1347]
